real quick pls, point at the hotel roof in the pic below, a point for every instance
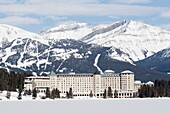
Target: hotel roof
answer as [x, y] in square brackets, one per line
[127, 71]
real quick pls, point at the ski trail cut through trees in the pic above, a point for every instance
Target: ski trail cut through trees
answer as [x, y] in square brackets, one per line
[96, 62]
[60, 65]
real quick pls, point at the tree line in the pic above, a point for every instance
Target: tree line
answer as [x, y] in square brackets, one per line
[55, 93]
[161, 88]
[11, 80]
[14, 81]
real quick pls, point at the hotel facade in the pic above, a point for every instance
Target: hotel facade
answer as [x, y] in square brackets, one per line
[82, 84]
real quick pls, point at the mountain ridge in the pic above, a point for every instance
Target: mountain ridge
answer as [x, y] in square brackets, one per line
[108, 44]
[160, 61]
[118, 35]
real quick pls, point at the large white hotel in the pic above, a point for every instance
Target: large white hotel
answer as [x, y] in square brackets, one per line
[83, 84]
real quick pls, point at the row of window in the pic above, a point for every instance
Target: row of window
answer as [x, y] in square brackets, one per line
[42, 84]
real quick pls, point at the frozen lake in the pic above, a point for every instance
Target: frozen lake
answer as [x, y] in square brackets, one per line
[87, 106]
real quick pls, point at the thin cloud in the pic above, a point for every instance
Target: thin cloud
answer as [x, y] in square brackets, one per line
[61, 1]
[88, 1]
[166, 14]
[60, 9]
[165, 26]
[131, 1]
[8, 1]
[15, 20]
[114, 17]
[57, 18]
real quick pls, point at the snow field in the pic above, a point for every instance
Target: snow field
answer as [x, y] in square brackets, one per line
[87, 106]
[83, 105]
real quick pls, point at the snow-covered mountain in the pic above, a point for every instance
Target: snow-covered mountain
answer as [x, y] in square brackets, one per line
[160, 61]
[10, 33]
[130, 40]
[81, 47]
[18, 47]
[71, 30]
[25, 51]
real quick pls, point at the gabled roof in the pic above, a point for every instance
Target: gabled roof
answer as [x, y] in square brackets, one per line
[52, 73]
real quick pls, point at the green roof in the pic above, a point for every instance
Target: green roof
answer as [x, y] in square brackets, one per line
[52, 73]
[110, 74]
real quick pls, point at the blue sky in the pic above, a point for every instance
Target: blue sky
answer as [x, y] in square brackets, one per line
[40, 15]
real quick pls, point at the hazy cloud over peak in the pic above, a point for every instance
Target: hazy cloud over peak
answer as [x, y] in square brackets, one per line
[130, 1]
[51, 12]
[8, 1]
[16, 20]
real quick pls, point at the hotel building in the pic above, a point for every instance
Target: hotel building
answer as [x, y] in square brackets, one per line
[40, 83]
[83, 84]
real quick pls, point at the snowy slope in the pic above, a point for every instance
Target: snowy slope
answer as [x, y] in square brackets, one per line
[10, 33]
[160, 61]
[73, 30]
[19, 48]
[33, 56]
[56, 50]
[130, 40]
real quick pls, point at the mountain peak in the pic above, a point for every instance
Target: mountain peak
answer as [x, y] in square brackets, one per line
[10, 27]
[67, 26]
[139, 26]
[10, 33]
[70, 30]
[130, 40]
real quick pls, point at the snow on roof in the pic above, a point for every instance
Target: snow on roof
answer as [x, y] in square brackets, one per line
[109, 71]
[127, 71]
[137, 82]
[150, 83]
[31, 77]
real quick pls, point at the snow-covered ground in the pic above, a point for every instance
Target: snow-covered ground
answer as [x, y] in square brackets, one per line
[87, 106]
[77, 105]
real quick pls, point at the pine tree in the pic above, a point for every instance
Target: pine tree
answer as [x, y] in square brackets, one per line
[67, 95]
[20, 91]
[8, 95]
[2, 80]
[25, 92]
[34, 93]
[115, 94]
[11, 80]
[91, 94]
[70, 93]
[104, 94]
[19, 96]
[6, 80]
[57, 93]
[47, 93]
[53, 94]
[29, 92]
[14, 78]
[110, 94]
